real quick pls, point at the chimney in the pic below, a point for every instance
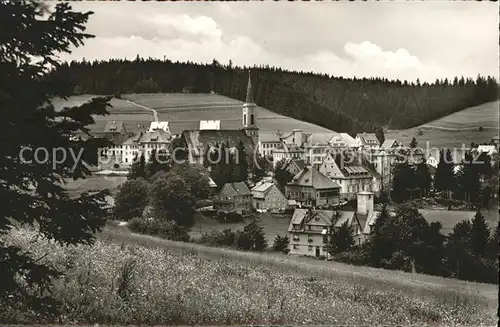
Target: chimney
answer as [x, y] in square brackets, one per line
[297, 135]
[365, 203]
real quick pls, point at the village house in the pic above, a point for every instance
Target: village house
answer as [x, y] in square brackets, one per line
[268, 142]
[234, 197]
[367, 140]
[267, 196]
[311, 188]
[352, 178]
[310, 229]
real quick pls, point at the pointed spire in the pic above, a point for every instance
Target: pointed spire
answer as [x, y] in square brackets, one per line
[249, 98]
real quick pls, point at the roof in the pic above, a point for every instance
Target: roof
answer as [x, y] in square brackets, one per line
[320, 218]
[261, 189]
[133, 139]
[163, 125]
[158, 135]
[113, 126]
[368, 137]
[389, 144]
[355, 170]
[197, 139]
[235, 189]
[300, 163]
[116, 139]
[317, 138]
[350, 141]
[211, 182]
[312, 177]
[209, 124]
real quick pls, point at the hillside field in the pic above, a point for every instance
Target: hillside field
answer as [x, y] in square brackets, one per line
[128, 279]
[184, 111]
[456, 129]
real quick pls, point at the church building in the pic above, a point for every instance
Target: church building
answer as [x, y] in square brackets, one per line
[198, 142]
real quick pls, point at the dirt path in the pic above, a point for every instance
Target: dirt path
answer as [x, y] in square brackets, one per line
[155, 114]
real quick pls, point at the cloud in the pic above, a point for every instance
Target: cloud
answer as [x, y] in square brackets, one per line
[300, 38]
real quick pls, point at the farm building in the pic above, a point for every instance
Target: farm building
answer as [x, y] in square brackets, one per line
[234, 197]
[267, 196]
[311, 188]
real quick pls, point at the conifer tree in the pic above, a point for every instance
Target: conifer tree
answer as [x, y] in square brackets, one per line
[138, 168]
[444, 179]
[33, 36]
[479, 235]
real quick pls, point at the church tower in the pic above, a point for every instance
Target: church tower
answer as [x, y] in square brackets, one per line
[250, 114]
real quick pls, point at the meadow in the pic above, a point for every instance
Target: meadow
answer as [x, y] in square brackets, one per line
[135, 279]
[456, 129]
[184, 111]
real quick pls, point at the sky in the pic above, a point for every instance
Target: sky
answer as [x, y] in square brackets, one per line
[395, 40]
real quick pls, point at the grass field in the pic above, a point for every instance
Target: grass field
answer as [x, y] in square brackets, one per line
[456, 129]
[185, 110]
[164, 282]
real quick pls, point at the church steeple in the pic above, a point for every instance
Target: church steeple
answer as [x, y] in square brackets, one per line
[249, 98]
[249, 114]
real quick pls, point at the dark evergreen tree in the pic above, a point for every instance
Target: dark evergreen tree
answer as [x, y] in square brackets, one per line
[341, 239]
[281, 243]
[423, 179]
[444, 179]
[32, 38]
[403, 182]
[158, 161]
[413, 143]
[479, 235]
[281, 175]
[468, 181]
[252, 237]
[138, 168]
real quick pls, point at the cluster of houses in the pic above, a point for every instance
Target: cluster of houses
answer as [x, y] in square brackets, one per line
[328, 169]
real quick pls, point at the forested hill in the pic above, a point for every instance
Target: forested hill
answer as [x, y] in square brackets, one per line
[340, 104]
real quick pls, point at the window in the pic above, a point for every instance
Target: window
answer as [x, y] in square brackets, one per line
[310, 248]
[295, 246]
[309, 238]
[296, 237]
[309, 227]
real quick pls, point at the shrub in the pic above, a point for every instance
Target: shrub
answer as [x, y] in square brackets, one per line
[218, 238]
[167, 229]
[131, 199]
[481, 128]
[356, 257]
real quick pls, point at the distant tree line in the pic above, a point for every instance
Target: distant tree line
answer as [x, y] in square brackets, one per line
[342, 104]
